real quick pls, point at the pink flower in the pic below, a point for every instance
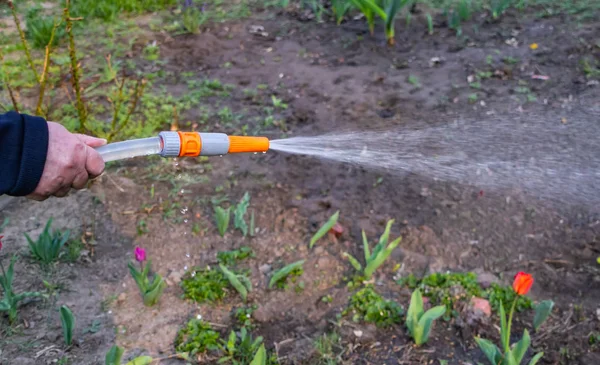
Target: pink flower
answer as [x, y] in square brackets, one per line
[140, 254]
[1, 237]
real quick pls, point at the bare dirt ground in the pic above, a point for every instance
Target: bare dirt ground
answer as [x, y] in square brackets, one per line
[333, 78]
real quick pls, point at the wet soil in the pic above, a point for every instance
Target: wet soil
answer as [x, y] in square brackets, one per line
[333, 79]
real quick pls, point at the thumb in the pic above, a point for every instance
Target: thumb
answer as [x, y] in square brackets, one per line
[91, 141]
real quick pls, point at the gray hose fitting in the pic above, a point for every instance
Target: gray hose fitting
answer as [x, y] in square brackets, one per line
[171, 144]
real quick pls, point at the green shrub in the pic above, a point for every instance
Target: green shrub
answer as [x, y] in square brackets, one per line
[204, 285]
[196, 337]
[368, 306]
[230, 258]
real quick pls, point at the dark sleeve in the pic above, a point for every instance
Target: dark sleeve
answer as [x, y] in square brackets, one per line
[23, 149]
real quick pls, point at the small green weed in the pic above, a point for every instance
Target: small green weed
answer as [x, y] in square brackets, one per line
[594, 339]
[366, 305]
[73, 252]
[329, 349]
[414, 81]
[204, 285]
[239, 348]
[46, 249]
[40, 27]
[473, 98]
[193, 18]
[152, 51]
[243, 316]
[278, 103]
[591, 69]
[197, 337]
[292, 271]
[230, 258]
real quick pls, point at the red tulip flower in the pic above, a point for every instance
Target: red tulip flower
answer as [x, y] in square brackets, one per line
[522, 283]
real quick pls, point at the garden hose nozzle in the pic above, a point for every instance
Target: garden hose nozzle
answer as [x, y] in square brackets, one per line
[183, 144]
[193, 144]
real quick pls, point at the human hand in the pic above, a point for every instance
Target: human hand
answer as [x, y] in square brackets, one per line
[71, 161]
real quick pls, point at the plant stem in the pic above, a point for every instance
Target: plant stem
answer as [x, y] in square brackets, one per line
[44, 76]
[510, 318]
[4, 75]
[23, 40]
[137, 94]
[75, 69]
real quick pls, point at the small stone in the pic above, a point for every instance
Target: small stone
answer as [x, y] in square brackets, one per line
[479, 309]
[121, 298]
[358, 333]
[50, 336]
[265, 269]
[486, 279]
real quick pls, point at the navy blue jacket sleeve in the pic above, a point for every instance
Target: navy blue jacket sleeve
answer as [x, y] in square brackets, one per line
[23, 149]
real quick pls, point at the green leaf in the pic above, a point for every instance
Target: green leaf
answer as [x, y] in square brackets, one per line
[325, 228]
[222, 218]
[505, 337]
[392, 9]
[4, 224]
[231, 342]
[521, 347]
[239, 213]
[113, 356]
[284, 272]
[491, 351]
[425, 323]
[141, 360]
[354, 262]
[260, 358]
[542, 311]
[415, 311]
[252, 225]
[380, 257]
[366, 246]
[235, 282]
[68, 323]
[536, 358]
[154, 292]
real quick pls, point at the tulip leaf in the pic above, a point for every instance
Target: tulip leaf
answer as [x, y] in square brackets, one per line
[235, 282]
[354, 262]
[141, 360]
[415, 311]
[68, 323]
[325, 228]
[536, 358]
[425, 323]
[521, 347]
[113, 356]
[366, 248]
[491, 351]
[260, 358]
[542, 311]
[283, 273]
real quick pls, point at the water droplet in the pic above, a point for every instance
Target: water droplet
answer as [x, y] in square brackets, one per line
[185, 221]
[187, 255]
[185, 268]
[220, 155]
[264, 152]
[193, 274]
[199, 317]
[255, 153]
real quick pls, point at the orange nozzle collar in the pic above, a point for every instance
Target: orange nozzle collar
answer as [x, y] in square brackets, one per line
[239, 144]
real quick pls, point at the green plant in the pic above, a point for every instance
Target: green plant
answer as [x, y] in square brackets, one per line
[279, 278]
[243, 315]
[261, 356]
[242, 351]
[113, 357]
[75, 68]
[325, 228]
[47, 247]
[40, 28]
[222, 218]
[510, 355]
[204, 285]
[418, 321]
[240, 282]
[68, 323]
[240, 211]
[542, 311]
[429, 24]
[151, 51]
[340, 8]
[229, 258]
[387, 11]
[193, 18]
[74, 248]
[196, 337]
[414, 81]
[329, 348]
[10, 299]
[151, 291]
[499, 7]
[380, 253]
[369, 306]
[278, 103]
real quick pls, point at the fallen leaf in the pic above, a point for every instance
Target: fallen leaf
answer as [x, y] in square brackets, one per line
[533, 46]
